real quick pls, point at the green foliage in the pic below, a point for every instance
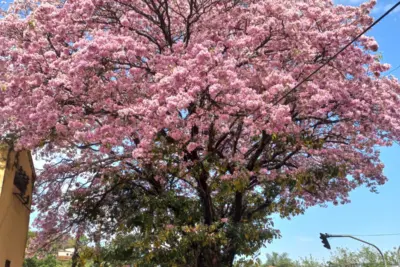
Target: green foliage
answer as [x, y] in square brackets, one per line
[279, 260]
[49, 261]
[167, 228]
[342, 257]
[367, 256]
[128, 249]
[48, 258]
[308, 262]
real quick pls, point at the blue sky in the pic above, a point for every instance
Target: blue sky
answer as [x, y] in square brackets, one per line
[368, 213]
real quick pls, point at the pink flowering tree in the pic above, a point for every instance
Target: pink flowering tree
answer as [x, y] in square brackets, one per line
[175, 120]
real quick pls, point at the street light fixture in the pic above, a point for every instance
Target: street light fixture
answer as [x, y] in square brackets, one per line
[324, 239]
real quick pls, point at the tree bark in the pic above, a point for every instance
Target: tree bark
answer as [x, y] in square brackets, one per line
[205, 197]
[210, 257]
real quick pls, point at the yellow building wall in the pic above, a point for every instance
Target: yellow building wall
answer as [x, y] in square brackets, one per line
[14, 215]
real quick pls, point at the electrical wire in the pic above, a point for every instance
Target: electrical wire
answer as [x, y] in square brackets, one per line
[393, 70]
[337, 53]
[394, 234]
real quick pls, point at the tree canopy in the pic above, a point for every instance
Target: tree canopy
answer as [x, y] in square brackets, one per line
[186, 123]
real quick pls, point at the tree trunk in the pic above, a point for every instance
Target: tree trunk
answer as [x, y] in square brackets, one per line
[204, 193]
[96, 239]
[75, 256]
[75, 259]
[210, 257]
[229, 256]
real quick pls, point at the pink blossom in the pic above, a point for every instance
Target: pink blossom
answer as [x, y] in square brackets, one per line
[191, 146]
[100, 89]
